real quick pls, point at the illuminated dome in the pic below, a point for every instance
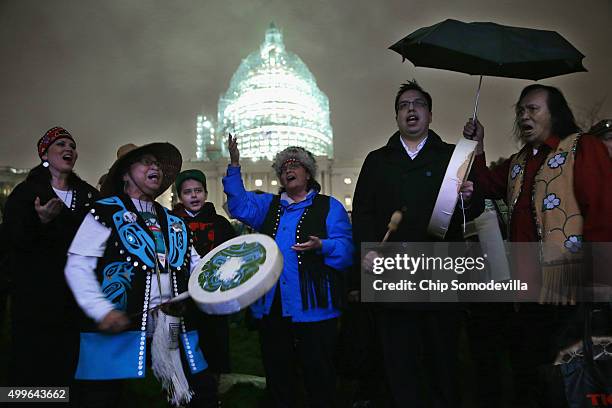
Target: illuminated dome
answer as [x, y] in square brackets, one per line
[272, 102]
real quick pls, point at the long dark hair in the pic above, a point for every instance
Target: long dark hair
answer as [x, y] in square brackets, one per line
[41, 175]
[562, 119]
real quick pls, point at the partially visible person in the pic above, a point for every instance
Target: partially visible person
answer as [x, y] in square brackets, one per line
[603, 130]
[42, 215]
[554, 190]
[101, 181]
[298, 316]
[6, 284]
[209, 230]
[552, 185]
[128, 257]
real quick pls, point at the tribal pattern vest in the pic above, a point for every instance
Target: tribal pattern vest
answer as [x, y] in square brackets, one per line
[558, 219]
[125, 272]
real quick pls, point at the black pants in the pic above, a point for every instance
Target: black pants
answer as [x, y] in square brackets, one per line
[359, 355]
[420, 345]
[285, 345]
[213, 331]
[42, 355]
[488, 329]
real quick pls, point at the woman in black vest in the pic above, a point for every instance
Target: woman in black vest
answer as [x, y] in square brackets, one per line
[42, 215]
[299, 314]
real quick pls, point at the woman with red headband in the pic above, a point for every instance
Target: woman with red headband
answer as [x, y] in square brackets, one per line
[42, 215]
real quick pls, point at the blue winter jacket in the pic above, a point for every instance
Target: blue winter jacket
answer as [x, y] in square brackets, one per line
[252, 208]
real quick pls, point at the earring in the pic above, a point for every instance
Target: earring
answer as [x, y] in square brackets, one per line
[45, 163]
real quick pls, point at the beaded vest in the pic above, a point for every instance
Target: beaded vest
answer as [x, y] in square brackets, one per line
[318, 282]
[558, 219]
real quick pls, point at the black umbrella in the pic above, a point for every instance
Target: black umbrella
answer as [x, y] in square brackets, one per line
[490, 49]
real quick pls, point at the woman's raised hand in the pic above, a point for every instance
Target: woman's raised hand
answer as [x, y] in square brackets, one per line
[232, 147]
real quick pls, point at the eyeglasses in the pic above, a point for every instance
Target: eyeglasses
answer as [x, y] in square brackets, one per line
[417, 103]
[147, 161]
[290, 164]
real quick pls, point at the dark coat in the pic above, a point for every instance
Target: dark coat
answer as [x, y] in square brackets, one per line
[38, 251]
[209, 228]
[44, 314]
[390, 180]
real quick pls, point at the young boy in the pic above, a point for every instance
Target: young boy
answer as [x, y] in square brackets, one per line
[209, 230]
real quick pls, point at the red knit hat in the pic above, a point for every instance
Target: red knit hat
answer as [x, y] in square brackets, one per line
[50, 137]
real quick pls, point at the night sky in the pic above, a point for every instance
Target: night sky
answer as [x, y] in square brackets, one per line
[121, 71]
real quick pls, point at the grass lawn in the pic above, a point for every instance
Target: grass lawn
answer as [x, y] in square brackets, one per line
[244, 387]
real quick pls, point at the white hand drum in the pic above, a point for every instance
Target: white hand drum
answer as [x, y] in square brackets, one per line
[456, 173]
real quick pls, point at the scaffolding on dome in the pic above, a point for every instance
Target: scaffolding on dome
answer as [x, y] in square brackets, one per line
[272, 102]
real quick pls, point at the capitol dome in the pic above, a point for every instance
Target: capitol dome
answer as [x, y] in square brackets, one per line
[272, 102]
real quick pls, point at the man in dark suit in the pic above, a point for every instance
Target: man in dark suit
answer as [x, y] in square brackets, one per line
[419, 340]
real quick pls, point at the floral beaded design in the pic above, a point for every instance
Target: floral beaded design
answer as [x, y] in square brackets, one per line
[516, 170]
[551, 201]
[574, 243]
[557, 160]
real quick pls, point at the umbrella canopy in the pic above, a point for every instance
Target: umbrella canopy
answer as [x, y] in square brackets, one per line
[491, 49]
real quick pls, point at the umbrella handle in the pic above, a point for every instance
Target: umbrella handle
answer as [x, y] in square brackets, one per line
[476, 102]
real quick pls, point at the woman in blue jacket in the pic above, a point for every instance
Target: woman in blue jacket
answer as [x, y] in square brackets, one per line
[299, 314]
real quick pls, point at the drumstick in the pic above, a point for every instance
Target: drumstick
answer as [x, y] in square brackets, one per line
[394, 222]
[179, 298]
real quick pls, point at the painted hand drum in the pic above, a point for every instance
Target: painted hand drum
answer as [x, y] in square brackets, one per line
[456, 173]
[235, 274]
